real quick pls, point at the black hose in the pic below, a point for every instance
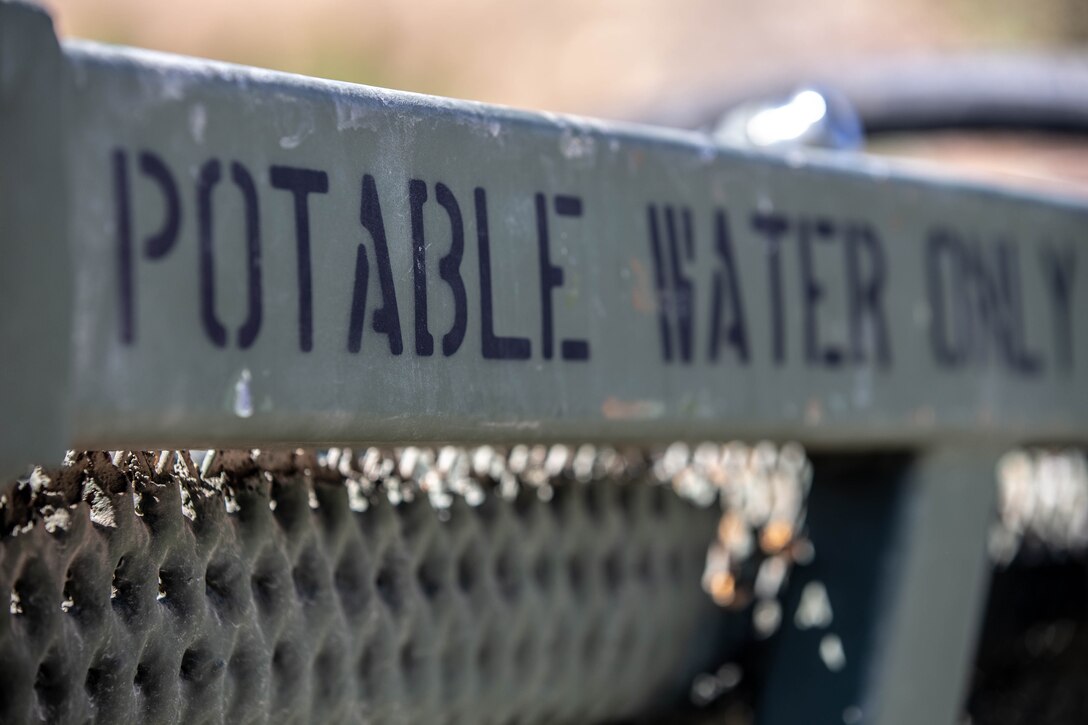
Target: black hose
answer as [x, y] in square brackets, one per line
[1027, 93]
[1022, 92]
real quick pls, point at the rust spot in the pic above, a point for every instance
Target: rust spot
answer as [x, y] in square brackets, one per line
[924, 416]
[642, 298]
[986, 417]
[615, 409]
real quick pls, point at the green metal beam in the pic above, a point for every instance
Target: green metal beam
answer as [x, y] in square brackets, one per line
[260, 258]
[36, 271]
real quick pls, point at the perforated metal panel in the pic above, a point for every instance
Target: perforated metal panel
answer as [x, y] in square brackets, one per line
[289, 593]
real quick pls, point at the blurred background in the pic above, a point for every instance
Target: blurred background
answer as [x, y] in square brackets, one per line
[606, 58]
[621, 59]
[628, 59]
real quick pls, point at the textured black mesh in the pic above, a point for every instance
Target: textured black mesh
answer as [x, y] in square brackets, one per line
[279, 591]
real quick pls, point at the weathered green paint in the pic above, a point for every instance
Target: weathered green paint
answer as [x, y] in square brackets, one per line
[35, 267]
[172, 386]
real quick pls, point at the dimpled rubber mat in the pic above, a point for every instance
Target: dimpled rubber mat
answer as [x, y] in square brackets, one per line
[354, 588]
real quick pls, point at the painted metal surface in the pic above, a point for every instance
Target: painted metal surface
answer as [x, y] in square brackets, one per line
[260, 258]
[35, 271]
[902, 570]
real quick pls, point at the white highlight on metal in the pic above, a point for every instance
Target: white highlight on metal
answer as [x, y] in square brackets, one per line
[787, 122]
[243, 395]
[198, 122]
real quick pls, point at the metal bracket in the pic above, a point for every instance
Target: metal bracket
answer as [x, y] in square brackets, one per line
[902, 571]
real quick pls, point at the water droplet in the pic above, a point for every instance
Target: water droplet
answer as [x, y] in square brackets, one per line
[832, 653]
[766, 616]
[243, 395]
[730, 675]
[815, 607]
[705, 689]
